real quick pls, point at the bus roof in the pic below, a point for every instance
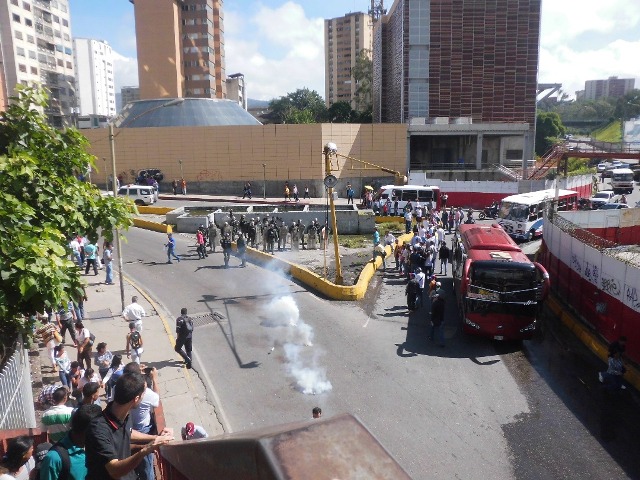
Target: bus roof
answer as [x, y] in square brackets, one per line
[537, 197]
[490, 242]
[621, 171]
[410, 187]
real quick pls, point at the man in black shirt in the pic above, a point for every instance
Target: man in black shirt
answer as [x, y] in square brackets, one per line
[108, 438]
[184, 332]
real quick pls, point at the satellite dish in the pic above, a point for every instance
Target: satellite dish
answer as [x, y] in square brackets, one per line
[330, 181]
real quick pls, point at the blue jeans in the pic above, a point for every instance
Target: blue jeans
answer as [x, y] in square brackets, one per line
[78, 259]
[65, 378]
[109, 269]
[171, 252]
[407, 226]
[79, 308]
[145, 468]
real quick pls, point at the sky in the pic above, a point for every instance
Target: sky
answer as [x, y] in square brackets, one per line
[279, 45]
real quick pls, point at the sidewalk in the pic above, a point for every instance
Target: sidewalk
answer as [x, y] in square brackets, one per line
[182, 394]
[256, 200]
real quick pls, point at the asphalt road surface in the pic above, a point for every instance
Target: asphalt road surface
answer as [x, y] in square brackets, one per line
[473, 409]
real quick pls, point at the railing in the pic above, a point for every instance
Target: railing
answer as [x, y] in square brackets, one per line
[514, 175]
[16, 397]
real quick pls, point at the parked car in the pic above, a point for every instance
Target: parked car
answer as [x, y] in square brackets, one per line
[602, 167]
[601, 198]
[613, 206]
[140, 194]
[151, 172]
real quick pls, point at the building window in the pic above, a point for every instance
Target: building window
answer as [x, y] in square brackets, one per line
[34, 70]
[16, 18]
[68, 51]
[66, 37]
[30, 39]
[18, 35]
[514, 154]
[65, 23]
[69, 65]
[14, 2]
[22, 68]
[56, 19]
[60, 62]
[20, 51]
[32, 54]
[28, 22]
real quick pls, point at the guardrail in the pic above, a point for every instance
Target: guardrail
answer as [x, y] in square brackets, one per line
[16, 397]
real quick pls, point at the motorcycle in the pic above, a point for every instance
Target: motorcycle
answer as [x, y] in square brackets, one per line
[489, 212]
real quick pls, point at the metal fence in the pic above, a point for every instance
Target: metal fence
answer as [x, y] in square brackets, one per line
[16, 397]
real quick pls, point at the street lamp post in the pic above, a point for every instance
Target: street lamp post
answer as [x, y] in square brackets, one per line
[181, 172]
[329, 150]
[112, 144]
[264, 181]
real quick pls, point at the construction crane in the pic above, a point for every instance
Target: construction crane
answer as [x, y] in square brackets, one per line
[330, 151]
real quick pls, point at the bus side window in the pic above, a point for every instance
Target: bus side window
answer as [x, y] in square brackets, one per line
[533, 214]
[409, 195]
[541, 210]
[425, 195]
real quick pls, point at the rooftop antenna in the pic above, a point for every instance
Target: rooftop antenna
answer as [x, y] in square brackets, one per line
[377, 10]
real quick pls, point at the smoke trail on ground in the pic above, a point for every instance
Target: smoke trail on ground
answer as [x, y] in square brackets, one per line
[282, 316]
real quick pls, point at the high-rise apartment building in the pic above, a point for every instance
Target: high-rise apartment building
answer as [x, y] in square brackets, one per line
[36, 49]
[94, 77]
[463, 74]
[344, 38]
[129, 94]
[236, 89]
[476, 59]
[613, 87]
[180, 48]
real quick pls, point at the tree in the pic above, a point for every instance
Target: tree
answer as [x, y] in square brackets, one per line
[628, 106]
[42, 203]
[287, 109]
[362, 74]
[340, 112]
[548, 129]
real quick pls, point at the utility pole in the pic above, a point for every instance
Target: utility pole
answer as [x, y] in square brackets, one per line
[112, 143]
[264, 181]
[328, 151]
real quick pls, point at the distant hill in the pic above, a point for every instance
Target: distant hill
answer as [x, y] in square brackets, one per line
[253, 103]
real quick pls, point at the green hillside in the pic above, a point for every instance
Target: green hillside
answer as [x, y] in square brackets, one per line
[608, 133]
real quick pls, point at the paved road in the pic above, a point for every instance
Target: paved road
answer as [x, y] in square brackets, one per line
[470, 410]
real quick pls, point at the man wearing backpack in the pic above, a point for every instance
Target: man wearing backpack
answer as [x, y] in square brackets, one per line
[134, 343]
[66, 459]
[184, 332]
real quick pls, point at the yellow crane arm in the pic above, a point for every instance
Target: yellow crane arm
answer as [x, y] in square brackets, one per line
[400, 178]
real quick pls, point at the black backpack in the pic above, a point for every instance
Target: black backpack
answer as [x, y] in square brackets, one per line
[186, 327]
[135, 340]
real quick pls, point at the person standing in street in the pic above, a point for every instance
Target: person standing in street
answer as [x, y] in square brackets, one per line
[85, 347]
[443, 254]
[107, 258]
[295, 193]
[174, 186]
[183, 186]
[171, 248]
[90, 257]
[213, 236]
[437, 315]
[134, 313]
[306, 193]
[184, 332]
[241, 245]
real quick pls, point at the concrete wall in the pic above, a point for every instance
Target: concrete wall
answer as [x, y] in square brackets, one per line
[221, 159]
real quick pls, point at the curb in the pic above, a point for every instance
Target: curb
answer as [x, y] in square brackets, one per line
[590, 339]
[307, 277]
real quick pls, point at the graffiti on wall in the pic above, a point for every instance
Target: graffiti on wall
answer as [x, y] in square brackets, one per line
[209, 176]
[575, 264]
[631, 297]
[611, 286]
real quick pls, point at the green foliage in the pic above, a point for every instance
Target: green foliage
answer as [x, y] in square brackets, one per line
[340, 112]
[301, 106]
[548, 129]
[42, 203]
[362, 74]
[628, 106]
[609, 133]
[578, 166]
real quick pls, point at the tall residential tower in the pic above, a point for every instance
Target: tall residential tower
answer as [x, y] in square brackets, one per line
[180, 48]
[36, 48]
[94, 74]
[344, 38]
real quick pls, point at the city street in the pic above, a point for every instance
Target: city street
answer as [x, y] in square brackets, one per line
[473, 409]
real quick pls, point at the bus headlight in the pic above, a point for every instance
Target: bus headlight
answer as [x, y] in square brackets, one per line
[471, 324]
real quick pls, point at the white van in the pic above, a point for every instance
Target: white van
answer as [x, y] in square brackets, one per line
[140, 194]
[622, 180]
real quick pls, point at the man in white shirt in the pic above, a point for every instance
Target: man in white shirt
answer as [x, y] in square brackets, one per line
[389, 239]
[420, 278]
[74, 245]
[134, 313]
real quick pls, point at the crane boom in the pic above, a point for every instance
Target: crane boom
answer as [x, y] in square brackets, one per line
[400, 178]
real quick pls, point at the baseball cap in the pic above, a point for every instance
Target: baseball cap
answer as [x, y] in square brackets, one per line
[40, 452]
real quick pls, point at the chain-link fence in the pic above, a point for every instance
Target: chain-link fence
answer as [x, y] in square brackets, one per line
[16, 397]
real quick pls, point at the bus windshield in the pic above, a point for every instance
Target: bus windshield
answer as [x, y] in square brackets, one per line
[513, 211]
[511, 286]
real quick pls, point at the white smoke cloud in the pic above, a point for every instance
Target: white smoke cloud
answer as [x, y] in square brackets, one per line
[282, 317]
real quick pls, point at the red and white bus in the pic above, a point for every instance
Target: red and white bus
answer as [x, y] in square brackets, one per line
[499, 290]
[413, 193]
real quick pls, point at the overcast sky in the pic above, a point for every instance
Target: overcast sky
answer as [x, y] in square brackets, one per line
[279, 45]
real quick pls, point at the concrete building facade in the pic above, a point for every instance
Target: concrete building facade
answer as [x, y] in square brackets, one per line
[36, 49]
[344, 38]
[237, 90]
[129, 94]
[180, 45]
[612, 87]
[94, 76]
[438, 62]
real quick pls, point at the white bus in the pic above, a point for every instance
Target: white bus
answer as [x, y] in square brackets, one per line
[622, 180]
[521, 216]
[405, 193]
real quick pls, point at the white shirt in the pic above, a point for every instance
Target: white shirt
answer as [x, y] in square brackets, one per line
[420, 279]
[74, 245]
[82, 335]
[133, 312]
[389, 239]
[141, 415]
